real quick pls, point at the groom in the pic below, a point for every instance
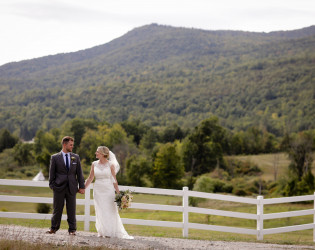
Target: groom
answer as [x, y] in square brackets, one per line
[65, 174]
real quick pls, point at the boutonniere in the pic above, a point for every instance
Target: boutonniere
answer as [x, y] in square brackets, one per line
[72, 159]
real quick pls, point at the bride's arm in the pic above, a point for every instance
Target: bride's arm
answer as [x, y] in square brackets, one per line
[91, 177]
[115, 183]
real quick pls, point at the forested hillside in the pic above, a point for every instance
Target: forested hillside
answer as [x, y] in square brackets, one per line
[164, 75]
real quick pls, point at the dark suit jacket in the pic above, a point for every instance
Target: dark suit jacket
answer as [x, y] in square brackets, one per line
[60, 178]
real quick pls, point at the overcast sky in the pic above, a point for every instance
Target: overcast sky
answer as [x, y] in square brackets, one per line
[35, 28]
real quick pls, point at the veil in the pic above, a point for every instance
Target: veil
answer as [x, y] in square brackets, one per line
[113, 160]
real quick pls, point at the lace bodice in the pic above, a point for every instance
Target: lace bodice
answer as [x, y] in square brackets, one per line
[102, 171]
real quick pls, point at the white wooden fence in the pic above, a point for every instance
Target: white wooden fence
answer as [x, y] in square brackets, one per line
[185, 209]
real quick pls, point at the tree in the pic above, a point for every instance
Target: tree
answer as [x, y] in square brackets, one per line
[115, 135]
[172, 133]
[137, 168]
[23, 153]
[135, 128]
[285, 142]
[89, 143]
[78, 128]
[300, 153]
[149, 139]
[203, 150]
[122, 152]
[253, 141]
[7, 140]
[167, 170]
[117, 141]
[237, 143]
[275, 166]
[46, 144]
[115, 138]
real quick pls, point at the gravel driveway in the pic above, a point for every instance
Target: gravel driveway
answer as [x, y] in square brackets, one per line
[84, 239]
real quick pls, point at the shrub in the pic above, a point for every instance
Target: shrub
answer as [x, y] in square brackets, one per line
[43, 208]
[29, 174]
[210, 185]
[296, 187]
[193, 201]
[240, 192]
[241, 168]
[246, 168]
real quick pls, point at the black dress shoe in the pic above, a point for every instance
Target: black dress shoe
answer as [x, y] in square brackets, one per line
[51, 231]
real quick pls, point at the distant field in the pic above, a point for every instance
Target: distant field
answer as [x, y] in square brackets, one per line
[269, 162]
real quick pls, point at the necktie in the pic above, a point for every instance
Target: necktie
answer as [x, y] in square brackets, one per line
[67, 162]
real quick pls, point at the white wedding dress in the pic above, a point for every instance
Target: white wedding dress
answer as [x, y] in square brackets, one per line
[108, 222]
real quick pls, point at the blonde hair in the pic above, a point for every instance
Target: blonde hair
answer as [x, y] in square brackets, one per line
[104, 151]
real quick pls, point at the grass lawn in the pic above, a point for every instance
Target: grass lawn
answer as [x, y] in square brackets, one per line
[298, 237]
[266, 162]
[304, 237]
[270, 164]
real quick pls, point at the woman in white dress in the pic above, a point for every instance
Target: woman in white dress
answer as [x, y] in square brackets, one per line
[108, 222]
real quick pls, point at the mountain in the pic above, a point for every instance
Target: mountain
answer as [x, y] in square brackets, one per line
[163, 75]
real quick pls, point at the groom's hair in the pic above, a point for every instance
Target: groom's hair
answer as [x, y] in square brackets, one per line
[66, 139]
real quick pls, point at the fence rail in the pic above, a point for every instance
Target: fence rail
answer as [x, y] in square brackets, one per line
[185, 209]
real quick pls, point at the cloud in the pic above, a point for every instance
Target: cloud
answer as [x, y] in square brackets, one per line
[33, 28]
[60, 12]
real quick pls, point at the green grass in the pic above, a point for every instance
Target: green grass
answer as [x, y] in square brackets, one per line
[265, 162]
[26, 191]
[298, 237]
[157, 199]
[269, 162]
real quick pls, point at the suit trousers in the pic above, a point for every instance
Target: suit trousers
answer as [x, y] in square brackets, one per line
[58, 204]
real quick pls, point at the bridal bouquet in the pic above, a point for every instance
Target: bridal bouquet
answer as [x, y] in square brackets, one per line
[123, 199]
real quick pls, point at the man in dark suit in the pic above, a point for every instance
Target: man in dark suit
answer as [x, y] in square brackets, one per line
[65, 175]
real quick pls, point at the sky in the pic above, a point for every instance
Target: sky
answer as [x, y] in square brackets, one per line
[36, 28]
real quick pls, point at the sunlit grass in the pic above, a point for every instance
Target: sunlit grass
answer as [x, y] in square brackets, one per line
[265, 162]
[298, 237]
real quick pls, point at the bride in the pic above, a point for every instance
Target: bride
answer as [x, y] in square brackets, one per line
[108, 222]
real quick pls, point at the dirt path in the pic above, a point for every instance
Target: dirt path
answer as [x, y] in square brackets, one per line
[84, 239]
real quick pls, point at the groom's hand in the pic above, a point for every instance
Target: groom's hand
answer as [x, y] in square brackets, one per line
[81, 191]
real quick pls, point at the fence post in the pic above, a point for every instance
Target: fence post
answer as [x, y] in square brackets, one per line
[260, 219]
[87, 209]
[314, 220]
[185, 211]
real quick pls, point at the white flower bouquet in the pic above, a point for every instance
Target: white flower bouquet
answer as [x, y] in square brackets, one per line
[124, 199]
